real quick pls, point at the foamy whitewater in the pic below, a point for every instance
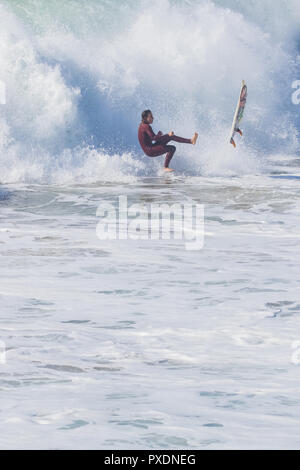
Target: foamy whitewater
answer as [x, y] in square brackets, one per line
[143, 344]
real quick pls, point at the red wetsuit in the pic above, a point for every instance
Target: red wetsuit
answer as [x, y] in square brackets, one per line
[147, 137]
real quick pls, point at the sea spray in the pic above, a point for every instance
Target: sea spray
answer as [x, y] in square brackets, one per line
[78, 76]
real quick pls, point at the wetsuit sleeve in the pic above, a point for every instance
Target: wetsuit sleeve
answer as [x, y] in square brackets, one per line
[153, 137]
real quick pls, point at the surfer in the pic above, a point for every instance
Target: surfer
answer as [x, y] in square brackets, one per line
[160, 146]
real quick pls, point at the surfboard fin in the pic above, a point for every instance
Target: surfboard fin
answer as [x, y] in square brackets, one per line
[233, 143]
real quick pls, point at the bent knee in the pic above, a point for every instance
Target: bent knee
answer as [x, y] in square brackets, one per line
[171, 148]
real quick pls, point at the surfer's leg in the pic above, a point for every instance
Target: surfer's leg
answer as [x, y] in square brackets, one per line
[158, 150]
[171, 149]
[165, 139]
[182, 140]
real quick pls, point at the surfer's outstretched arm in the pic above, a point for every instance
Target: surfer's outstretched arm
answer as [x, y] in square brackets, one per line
[157, 138]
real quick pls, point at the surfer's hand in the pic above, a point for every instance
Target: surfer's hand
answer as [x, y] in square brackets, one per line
[171, 133]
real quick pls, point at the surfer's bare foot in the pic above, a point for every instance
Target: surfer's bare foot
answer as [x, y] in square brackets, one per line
[195, 138]
[168, 169]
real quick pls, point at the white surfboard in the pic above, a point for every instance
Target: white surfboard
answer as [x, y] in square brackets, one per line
[239, 113]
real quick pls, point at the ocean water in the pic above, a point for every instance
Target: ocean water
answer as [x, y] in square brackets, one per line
[115, 344]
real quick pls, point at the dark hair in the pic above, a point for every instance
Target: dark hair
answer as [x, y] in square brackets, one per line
[145, 114]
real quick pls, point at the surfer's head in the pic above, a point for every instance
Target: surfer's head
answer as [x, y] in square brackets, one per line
[147, 116]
